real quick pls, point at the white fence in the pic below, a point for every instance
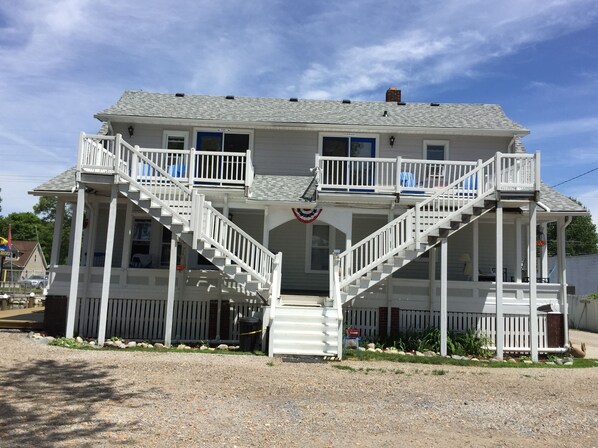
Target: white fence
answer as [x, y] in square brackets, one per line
[517, 330]
[144, 319]
[583, 313]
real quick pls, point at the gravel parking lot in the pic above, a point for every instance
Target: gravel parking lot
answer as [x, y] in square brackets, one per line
[57, 397]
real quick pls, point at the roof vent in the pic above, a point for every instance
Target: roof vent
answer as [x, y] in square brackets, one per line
[293, 100]
[385, 114]
[346, 101]
[180, 95]
[230, 97]
[435, 104]
[401, 103]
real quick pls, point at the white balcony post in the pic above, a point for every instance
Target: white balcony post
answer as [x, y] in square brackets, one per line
[443, 296]
[318, 173]
[531, 272]
[498, 171]
[544, 254]
[479, 178]
[500, 323]
[191, 167]
[80, 152]
[107, 265]
[417, 227]
[171, 291]
[117, 155]
[398, 175]
[431, 279]
[76, 263]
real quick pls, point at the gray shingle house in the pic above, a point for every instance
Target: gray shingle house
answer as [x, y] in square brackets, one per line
[193, 212]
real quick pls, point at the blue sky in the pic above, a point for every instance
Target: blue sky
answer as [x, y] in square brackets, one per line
[61, 61]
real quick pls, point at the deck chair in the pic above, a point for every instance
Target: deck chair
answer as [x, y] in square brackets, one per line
[177, 170]
[407, 179]
[141, 261]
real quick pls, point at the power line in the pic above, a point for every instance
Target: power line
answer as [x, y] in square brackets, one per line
[576, 177]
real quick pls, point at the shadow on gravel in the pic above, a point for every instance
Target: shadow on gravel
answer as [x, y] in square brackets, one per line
[48, 402]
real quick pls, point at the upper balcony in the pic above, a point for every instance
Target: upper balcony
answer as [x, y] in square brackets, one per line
[101, 154]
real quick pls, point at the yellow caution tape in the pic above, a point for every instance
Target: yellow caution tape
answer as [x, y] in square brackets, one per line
[251, 332]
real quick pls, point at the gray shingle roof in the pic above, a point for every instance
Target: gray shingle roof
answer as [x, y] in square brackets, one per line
[64, 182]
[283, 188]
[558, 202]
[485, 117]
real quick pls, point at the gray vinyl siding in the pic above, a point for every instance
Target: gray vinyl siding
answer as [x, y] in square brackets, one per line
[286, 152]
[460, 147]
[290, 239]
[290, 153]
[251, 221]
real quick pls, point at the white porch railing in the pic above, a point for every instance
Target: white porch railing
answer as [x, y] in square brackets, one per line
[417, 223]
[192, 167]
[388, 175]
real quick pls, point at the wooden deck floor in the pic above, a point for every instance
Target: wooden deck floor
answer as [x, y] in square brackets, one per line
[24, 319]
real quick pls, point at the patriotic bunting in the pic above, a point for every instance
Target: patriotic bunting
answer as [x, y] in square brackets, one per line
[307, 215]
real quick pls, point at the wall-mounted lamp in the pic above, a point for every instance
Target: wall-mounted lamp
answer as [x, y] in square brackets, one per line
[391, 140]
[131, 130]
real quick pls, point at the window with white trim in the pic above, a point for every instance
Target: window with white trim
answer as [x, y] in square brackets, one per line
[436, 150]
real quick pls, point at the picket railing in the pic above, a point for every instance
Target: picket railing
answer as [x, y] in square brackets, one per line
[388, 175]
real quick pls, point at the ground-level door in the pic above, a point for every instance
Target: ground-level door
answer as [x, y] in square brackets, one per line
[306, 250]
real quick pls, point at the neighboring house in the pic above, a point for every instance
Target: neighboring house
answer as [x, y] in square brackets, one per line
[27, 260]
[313, 215]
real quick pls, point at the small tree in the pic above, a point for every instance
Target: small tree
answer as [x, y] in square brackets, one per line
[582, 238]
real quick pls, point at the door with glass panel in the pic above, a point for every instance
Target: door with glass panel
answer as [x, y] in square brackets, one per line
[217, 165]
[345, 172]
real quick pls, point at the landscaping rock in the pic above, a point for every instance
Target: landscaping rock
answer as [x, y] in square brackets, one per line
[429, 353]
[158, 345]
[418, 353]
[222, 347]
[371, 345]
[203, 347]
[132, 344]
[79, 340]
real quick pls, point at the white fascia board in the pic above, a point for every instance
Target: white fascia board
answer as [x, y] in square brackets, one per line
[321, 127]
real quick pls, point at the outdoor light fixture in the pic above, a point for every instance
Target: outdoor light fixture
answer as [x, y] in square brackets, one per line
[391, 140]
[131, 130]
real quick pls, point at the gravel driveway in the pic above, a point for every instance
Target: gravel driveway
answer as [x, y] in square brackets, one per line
[55, 397]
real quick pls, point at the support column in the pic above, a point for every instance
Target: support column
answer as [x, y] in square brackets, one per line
[266, 234]
[531, 272]
[544, 253]
[56, 239]
[171, 290]
[500, 323]
[76, 263]
[562, 264]
[126, 254]
[518, 251]
[107, 264]
[443, 296]
[476, 257]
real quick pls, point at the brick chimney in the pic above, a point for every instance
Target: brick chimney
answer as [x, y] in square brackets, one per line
[393, 95]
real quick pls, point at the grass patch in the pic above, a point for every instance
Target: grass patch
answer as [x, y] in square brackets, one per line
[344, 367]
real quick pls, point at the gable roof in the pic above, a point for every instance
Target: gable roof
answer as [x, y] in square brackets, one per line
[26, 250]
[481, 118]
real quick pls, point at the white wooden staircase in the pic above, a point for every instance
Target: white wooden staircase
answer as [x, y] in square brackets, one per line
[184, 212]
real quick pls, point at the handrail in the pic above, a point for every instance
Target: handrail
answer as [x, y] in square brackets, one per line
[226, 236]
[434, 211]
[388, 175]
[190, 209]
